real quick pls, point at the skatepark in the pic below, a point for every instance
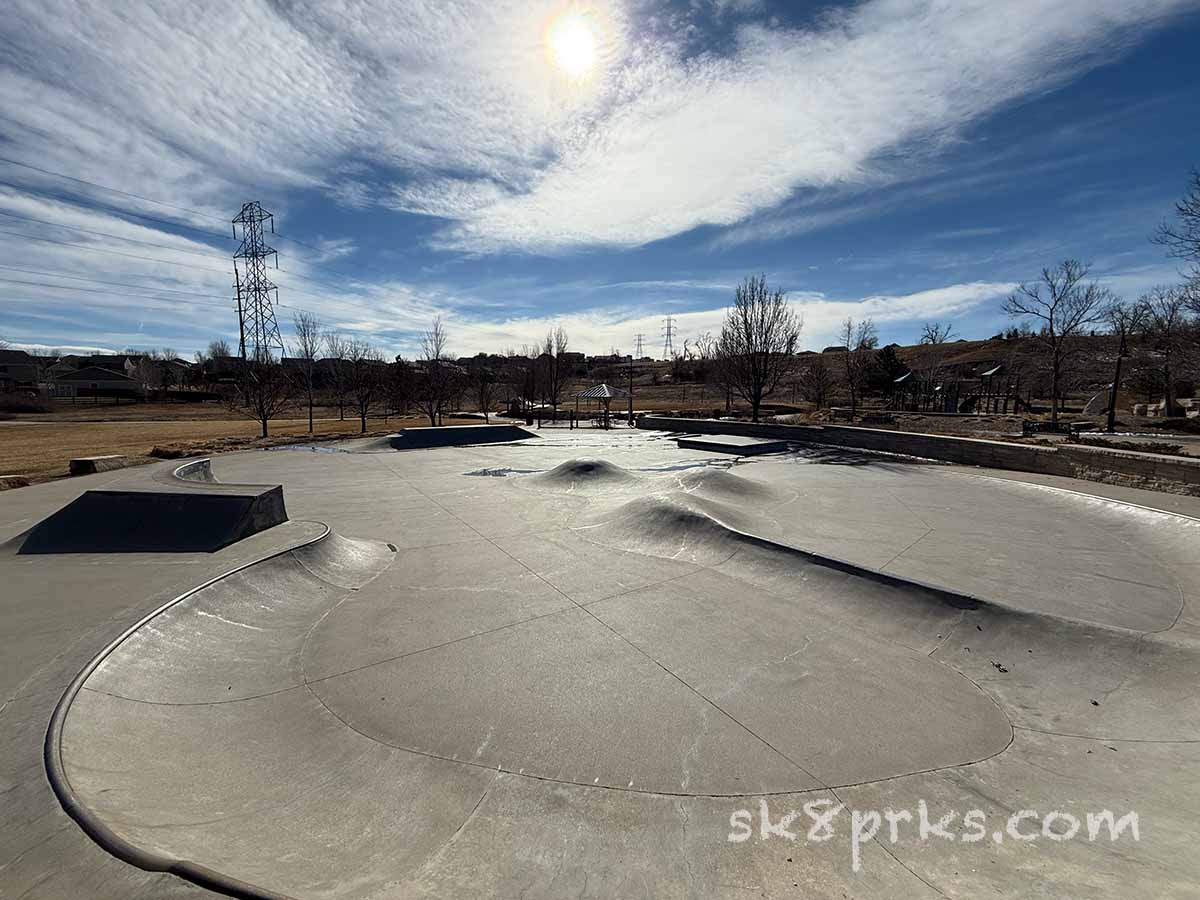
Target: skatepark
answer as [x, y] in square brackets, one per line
[499, 662]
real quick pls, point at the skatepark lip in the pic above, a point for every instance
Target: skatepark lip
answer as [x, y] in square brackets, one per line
[92, 824]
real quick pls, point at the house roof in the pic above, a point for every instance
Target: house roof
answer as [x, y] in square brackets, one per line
[601, 392]
[94, 373]
[16, 357]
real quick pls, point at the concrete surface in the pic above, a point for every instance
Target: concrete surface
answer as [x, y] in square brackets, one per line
[559, 667]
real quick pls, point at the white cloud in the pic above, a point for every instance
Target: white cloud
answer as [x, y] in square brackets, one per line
[597, 330]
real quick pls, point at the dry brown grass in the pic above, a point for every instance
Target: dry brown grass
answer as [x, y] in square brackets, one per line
[42, 447]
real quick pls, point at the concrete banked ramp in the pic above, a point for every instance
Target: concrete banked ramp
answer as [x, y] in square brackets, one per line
[196, 686]
[323, 725]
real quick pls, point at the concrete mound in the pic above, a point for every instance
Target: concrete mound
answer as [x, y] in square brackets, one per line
[183, 520]
[725, 485]
[457, 436]
[675, 525]
[583, 472]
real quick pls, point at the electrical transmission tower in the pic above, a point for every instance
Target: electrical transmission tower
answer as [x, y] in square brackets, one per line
[637, 346]
[256, 293]
[668, 331]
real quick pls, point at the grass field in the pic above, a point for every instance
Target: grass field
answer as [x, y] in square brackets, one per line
[40, 446]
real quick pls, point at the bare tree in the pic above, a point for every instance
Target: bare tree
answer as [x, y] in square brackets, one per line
[530, 372]
[366, 376]
[554, 374]
[711, 367]
[1182, 237]
[1124, 319]
[266, 388]
[336, 347]
[758, 341]
[816, 381]
[860, 341]
[400, 386]
[219, 348]
[936, 333]
[937, 337]
[307, 349]
[483, 380]
[433, 383]
[1172, 337]
[1064, 305]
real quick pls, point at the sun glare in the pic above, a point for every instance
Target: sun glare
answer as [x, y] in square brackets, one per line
[572, 44]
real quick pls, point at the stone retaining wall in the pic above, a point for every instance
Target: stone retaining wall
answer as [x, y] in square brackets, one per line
[1153, 471]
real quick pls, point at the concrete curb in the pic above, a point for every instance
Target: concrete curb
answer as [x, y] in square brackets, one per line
[91, 824]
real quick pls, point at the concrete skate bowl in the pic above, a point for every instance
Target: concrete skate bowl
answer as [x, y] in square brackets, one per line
[185, 518]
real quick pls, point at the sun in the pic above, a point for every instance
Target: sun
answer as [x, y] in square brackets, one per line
[572, 44]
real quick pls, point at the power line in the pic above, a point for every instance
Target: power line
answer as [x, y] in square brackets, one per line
[106, 234]
[67, 287]
[143, 216]
[168, 262]
[79, 246]
[112, 210]
[103, 187]
[120, 212]
[114, 283]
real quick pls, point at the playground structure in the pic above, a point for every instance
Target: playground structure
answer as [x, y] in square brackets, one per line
[993, 391]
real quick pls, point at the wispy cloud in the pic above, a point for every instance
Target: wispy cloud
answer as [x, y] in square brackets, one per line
[463, 105]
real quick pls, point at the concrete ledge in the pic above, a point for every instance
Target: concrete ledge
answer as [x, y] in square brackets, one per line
[732, 443]
[90, 465]
[457, 436]
[1152, 471]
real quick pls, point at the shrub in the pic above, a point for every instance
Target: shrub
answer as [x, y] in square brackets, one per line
[22, 403]
[1136, 446]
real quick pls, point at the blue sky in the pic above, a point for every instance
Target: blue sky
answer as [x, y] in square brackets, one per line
[907, 160]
